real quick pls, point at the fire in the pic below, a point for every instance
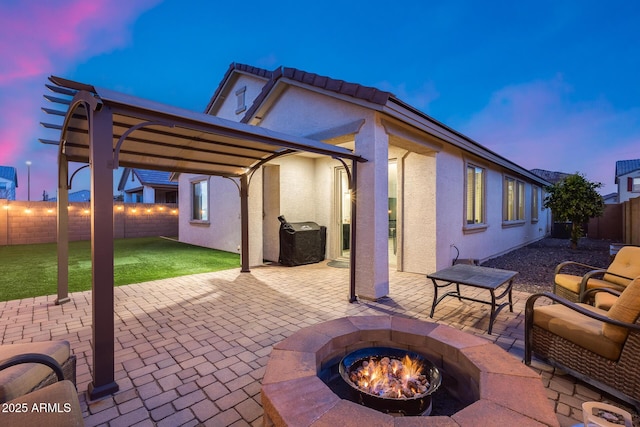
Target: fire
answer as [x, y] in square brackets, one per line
[390, 377]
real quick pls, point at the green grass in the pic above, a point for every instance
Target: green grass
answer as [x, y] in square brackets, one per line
[32, 270]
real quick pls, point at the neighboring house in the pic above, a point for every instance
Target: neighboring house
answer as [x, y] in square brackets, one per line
[147, 186]
[8, 182]
[628, 179]
[552, 176]
[425, 192]
[76, 196]
[610, 199]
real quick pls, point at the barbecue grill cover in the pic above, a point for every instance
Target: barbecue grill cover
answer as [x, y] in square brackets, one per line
[301, 242]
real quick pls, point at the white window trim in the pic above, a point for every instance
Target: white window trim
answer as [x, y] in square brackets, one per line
[481, 226]
[535, 203]
[518, 221]
[193, 220]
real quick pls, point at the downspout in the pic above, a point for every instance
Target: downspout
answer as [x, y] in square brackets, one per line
[244, 223]
[352, 252]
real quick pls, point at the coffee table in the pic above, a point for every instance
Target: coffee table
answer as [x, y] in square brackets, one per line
[477, 277]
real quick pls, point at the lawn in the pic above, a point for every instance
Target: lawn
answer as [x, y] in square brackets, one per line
[31, 270]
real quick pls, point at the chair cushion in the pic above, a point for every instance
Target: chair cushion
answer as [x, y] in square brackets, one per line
[21, 379]
[604, 300]
[577, 328]
[626, 263]
[625, 309]
[572, 283]
[62, 408]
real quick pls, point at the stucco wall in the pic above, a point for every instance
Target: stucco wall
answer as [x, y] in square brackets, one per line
[222, 230]
[36, 222]
[497, 238]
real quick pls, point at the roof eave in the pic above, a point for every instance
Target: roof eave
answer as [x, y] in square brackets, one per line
[405, 112]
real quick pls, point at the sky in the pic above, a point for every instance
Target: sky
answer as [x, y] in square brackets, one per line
[552, 85]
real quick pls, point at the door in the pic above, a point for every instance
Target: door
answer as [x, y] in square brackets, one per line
[270, 212]
[343, 212]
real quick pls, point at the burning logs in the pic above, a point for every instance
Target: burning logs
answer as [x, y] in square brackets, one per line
[390, 377]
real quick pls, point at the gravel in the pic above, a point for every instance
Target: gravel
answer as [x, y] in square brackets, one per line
[536, 262]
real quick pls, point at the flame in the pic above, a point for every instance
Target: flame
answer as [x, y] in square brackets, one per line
[389, 377]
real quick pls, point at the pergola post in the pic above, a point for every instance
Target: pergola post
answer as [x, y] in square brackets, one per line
[244, 223]
[101, 161]
[63, 230]
[353, 248]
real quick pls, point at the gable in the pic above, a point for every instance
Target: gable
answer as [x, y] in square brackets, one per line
[235, 96]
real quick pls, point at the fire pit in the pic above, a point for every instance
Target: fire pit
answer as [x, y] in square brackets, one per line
[492, 385]
[391, 380]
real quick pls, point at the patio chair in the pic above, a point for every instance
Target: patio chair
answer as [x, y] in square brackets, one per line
[625, 266]
[599, 347]
[54, 405]
[18, 378]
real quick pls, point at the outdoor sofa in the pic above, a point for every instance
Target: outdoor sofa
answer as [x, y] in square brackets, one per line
[600, 347]
[625, 266]
[19, 378]
[53, 405]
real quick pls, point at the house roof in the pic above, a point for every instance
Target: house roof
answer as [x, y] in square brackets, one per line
[147, 177]
[624, 167]
[551, 176]
[374, 98]
[9, 173]
[76, 196]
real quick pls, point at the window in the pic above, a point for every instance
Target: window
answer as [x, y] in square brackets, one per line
[633, 185]
[241, 100]
[200, 201]
[535, 203]
[475, 195]
[513, 200]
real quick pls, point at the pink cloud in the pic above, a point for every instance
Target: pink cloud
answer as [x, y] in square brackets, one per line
[537, 125]
[38, 39]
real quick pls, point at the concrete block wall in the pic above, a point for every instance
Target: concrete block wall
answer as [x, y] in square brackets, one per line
[36, 222]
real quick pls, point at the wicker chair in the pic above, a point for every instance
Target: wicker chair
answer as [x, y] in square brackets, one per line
[599, 347]
[625, 266]
[18, 377]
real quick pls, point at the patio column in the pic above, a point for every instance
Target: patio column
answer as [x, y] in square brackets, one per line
[63, 230]
[372, 268]
[102, 299]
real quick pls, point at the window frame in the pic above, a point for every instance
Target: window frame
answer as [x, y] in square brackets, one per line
[535, 203]
[513, 213]
[198, 219]
[480, 211]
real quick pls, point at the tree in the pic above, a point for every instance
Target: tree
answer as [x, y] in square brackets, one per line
[574, 199]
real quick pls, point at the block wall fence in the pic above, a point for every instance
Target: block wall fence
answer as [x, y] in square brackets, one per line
[36, 222]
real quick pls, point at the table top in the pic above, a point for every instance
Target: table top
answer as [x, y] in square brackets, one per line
[473, 275]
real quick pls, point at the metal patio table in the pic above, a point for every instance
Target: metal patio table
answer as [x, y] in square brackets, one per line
[477, 277]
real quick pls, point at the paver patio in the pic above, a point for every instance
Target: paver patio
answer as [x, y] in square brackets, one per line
[192, 350]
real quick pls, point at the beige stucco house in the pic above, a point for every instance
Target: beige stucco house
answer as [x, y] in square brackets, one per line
[426, 194]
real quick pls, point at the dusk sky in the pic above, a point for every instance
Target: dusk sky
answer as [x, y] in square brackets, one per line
[548, 84]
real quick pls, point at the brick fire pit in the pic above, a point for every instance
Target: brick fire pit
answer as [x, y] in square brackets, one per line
[497, 388]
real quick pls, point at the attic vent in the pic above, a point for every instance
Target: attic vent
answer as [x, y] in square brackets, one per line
[241, 100]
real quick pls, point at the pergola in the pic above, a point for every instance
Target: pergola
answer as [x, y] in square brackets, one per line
[107, 129]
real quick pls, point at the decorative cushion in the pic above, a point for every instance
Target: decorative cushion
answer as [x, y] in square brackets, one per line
[20, 379]
[625, 309]
[577, 328]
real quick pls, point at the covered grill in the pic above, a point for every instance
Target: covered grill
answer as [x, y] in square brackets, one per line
[301, 242]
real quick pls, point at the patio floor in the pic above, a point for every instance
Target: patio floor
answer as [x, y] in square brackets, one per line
[192, 350]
